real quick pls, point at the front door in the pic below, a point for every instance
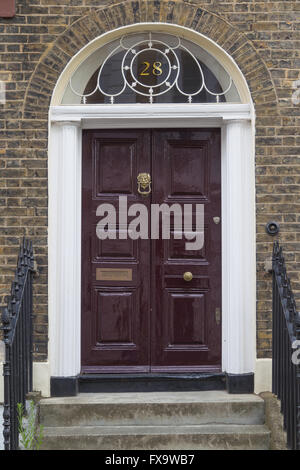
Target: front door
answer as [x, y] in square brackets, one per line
[140, 312]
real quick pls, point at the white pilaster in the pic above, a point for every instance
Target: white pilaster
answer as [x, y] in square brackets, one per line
[65, 248]
[239, 274]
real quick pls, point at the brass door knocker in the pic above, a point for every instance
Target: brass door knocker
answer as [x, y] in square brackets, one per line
[144, 182]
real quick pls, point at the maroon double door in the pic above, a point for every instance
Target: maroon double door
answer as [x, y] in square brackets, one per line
[138, 312]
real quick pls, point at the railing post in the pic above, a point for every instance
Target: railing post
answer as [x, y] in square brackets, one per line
[297, 335]
[6, 321]
[30, 317]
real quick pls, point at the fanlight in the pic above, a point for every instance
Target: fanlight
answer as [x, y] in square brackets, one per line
[153, 68]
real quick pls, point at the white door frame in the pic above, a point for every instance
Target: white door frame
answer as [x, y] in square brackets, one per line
[238, 220]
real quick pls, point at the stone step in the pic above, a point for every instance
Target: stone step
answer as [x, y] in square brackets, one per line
[202, 437]
[151, 409]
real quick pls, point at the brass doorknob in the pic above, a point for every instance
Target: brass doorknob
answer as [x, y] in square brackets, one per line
[187, 276]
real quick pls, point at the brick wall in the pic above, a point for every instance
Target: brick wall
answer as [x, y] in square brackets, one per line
[35, 45]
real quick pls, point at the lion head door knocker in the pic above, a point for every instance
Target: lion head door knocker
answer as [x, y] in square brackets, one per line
[144, 184]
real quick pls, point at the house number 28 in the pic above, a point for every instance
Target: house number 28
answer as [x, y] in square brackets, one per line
[156, 68]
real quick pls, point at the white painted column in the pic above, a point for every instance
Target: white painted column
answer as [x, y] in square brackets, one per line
[238, 232]
[64, 248]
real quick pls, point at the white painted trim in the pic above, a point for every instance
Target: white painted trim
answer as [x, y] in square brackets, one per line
[64, 242]
[238, 228]
[41, 374]
[108, 116]
[238, 248]
[263, 375]
[41, 379]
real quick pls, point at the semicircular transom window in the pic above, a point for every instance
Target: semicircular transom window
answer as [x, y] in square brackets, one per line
[150, 68]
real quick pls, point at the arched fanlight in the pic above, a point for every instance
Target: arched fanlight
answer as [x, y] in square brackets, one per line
[151, 67]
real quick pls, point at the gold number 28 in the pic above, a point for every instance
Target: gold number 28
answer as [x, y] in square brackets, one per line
[156, 68]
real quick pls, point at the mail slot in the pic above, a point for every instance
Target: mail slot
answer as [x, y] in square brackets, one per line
[113, 274]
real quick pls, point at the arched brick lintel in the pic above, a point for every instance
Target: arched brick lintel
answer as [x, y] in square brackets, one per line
[99, 21]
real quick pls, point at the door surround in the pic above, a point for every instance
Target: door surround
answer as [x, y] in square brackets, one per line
[238, 228]
[238, 216]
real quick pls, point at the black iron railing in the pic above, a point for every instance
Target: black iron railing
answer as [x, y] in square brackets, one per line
[286, 334]
[17, 332]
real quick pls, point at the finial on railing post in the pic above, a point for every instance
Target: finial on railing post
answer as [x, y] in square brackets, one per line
[280, 261]
[14, 297]
[31, 256]
[275, 248]
[290, 303]
[25, 254]
[285, 284]
[21, 266]
[297, 326]
[6, 322]
[275, 257]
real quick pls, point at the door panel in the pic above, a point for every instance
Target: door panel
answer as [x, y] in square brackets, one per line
[115, 272]
[188, 167]
[185, 314]
[115, 164]
[138, 314]
[185, 335]
[114, 308]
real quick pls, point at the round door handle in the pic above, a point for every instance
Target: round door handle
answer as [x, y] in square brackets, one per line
[188, 276]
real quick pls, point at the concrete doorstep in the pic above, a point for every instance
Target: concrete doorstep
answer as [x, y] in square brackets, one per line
[153, 421]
